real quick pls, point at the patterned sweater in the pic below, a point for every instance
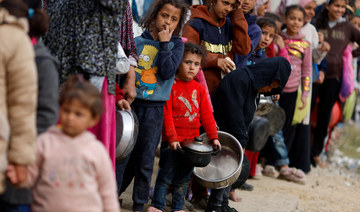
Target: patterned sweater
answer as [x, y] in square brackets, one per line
[187, 108]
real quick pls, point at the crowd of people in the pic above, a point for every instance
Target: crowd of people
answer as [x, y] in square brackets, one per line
[66, 66]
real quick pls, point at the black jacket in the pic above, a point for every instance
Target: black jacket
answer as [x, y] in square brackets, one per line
[235, 100]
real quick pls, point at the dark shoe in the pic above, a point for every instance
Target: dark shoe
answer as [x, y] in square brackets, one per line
[227, 208]
[210, 208]
[247, 187]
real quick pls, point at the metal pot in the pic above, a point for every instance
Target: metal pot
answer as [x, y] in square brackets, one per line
[127, 128]
[276, 118]
[197, 152]
[259, 129]
[225, 167]
[265, 105]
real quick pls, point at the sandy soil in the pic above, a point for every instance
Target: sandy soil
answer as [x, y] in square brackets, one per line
[330, 189]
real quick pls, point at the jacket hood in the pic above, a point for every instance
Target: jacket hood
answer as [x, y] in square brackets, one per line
[41, 51]
[268, 70]
[5, 17]
[202, 12]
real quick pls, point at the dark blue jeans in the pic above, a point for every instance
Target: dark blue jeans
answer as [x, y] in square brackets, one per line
[173, 170]
[8, 207]
[140, 163]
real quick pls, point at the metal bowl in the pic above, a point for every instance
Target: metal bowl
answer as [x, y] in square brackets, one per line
[225, 167]
[127, 128]
[265, 105]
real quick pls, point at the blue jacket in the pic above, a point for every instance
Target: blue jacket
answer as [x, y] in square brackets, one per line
[158, 62]
[254, 33]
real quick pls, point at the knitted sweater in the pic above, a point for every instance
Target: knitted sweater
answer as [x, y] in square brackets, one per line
[72, 174]
[187, 108]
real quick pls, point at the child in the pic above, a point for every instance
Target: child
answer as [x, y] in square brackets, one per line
[300, 58]
[210, 27]
[235, 103]
[338, 33]
[179, 125]
[72, 170]
[160, 51]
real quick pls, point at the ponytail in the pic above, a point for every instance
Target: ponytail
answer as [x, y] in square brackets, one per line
[39, 23]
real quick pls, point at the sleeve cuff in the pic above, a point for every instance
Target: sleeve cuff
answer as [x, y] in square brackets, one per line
[165, 46]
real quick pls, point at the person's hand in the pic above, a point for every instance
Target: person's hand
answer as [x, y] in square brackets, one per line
[17, 174]
[174, 145]
[303, 100]
[165, 35]
[129, 85]
[321, 37]
[216, 144]
[321, 77]
[276, 97]
[324, 46]
[123, 104]
[279, 41]
[225, 65]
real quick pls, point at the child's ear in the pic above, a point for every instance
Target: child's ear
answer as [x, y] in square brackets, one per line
[94, 121]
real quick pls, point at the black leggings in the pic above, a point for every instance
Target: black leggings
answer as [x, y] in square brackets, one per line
[328, 94]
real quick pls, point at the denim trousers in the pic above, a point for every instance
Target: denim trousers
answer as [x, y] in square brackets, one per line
[175, 171]
[275, 151]
[139, 165]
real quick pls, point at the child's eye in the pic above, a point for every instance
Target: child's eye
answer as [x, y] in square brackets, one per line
[197, 64]
[164, 15]
[79, 114]
[174, 19]
[187, 62]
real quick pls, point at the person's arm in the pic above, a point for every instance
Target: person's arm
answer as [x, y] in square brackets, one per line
[234, 93]
[48, 98]
[106, 181]
[169, 59]
[206, 116]
[306, 71]
[22, 90]
[168, 126]
[241, 39]
[200, 78]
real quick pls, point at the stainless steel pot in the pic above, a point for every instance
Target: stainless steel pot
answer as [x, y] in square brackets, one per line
[127, 128]
[265, 105]
[258, 133]
[276, 118]
[225, 167]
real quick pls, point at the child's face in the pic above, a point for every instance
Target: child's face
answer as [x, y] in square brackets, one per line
[223, 7]
[267, 36]
[294, 22]
[356, 22]
[189, 66]
[268, 88]
[247, 5]
[75, 118]
[336, 9]
[309, 11]
[168, 16]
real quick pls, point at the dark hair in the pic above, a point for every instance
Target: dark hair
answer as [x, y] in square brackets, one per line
[38, 23]
[156, 6]
[88, 95]
[262, 22]
[273, 16]
[194, 49]
[322, 19]
[294, 7]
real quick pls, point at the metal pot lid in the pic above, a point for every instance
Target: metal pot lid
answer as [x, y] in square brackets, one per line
[198, 145]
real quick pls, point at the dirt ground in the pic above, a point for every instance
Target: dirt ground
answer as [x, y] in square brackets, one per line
[326, 190]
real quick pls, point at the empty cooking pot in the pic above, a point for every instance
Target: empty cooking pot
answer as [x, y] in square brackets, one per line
[265, 105]
[127, 127]
[197, 151]
[225, 167]
[259, 129]
[276, 118]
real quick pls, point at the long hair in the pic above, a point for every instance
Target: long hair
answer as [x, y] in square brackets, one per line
[38, 22]
[150, 17]
[322, 19]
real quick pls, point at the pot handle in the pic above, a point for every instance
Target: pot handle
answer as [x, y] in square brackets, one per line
[214, 152]
[198, 139]
[180, 150]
